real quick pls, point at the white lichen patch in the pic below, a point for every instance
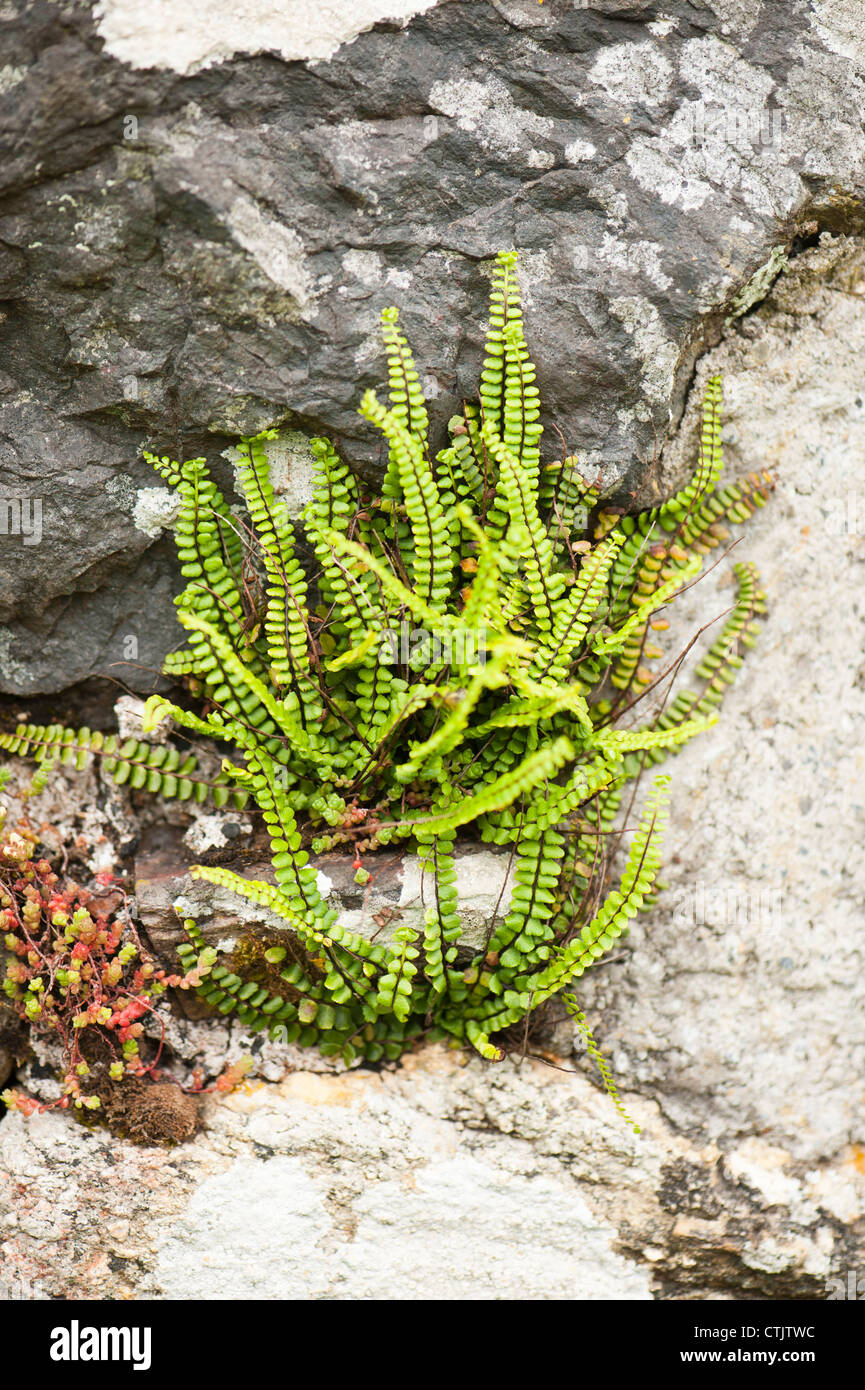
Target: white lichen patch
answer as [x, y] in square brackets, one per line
[721, 75]
[121, 487]
[366, 267]
[633, 74]
[205, 833]
[661, 171]
[12, 668]
[535, 270]
[155, 509]
[662, 26]
[10, 76]
[638, 257]
[74, 809]
[102, 857]
[838, 24]
[840, 1193]
[773, 1255]
[761, 1166]
[351, 143]
[369, 348]
[613, 200]
[277, 249]
[324, 883]
[208, 831]
[654, 350]
[186, 37]
[737, 16]
[742, 132]
[576, 151]
[488, 110]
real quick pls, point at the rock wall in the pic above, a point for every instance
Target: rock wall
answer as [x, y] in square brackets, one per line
[733, 1017]
[202, 214]
[199, 224]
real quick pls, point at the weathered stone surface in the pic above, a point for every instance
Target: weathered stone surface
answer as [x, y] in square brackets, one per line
[733, 1018]
[762, 1030]
[198, 229]
[437, 1180]
[396, 895]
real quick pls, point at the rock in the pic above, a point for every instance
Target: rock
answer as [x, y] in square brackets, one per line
[438, 1179]
[733, 1018]
[395, 896]
[201, 221]
[744, 998]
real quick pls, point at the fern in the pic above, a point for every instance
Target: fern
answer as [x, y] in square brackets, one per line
[460, 660]
[571, 1004]
[131, 762]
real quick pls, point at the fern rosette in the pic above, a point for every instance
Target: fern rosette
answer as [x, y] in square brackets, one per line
[462, 659]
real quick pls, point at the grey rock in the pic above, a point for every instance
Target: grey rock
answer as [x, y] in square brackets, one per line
[732, 1018]
[438, 1179]
[198, 230]
[396, 895]
[762, 1027]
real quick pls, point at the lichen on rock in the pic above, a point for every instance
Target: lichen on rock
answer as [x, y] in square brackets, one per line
[256, 224]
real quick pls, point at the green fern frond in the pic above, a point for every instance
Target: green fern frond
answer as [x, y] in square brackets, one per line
[458, 657]
[576, 1013]
[160, 769]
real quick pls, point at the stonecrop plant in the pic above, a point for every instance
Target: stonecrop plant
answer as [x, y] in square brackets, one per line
[76, 972]
[465, 658]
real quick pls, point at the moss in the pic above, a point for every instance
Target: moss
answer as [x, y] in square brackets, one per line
[248, 960]
[760, 283]
[149, 1112]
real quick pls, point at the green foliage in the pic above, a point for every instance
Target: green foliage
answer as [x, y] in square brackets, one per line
[464, 657]
[162, 769]
[571, 1004]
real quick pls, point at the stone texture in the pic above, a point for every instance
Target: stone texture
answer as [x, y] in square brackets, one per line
[198, 230]
[396, 896]
[440, 1179]
[764, 1030]
[733, 1017]
[182, 37]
